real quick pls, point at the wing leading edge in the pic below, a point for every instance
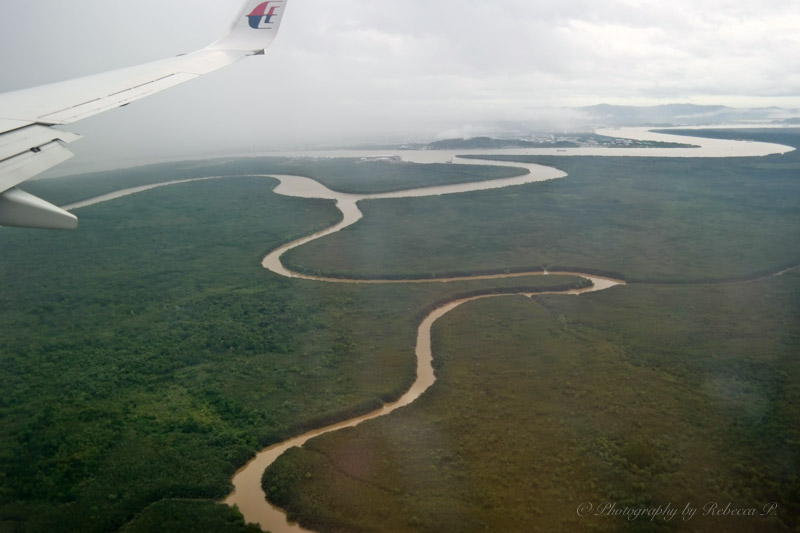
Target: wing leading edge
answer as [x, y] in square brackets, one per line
[30, 146]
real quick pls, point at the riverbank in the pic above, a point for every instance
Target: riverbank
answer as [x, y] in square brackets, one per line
[250, 498]
[273, 263]
[641, 396]
[158, 337]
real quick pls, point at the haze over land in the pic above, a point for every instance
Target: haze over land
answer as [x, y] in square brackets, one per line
[378, 71]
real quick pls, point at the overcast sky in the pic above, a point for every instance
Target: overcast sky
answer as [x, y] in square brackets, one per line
[358, 70]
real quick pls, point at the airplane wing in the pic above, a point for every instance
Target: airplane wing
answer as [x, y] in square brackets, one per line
[29, 145]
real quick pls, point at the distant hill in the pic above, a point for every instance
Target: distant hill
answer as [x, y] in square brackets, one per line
[570, 127]
[559, 140]
[678, 114]
[490, 143]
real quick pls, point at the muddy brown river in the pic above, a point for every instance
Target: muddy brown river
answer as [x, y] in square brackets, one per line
[248, 495]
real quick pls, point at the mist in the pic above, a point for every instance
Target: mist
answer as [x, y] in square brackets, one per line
[378, 71]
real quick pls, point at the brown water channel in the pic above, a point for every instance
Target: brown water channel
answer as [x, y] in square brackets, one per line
[248, 494]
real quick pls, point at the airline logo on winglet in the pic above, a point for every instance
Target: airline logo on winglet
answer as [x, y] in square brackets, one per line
[262, 16]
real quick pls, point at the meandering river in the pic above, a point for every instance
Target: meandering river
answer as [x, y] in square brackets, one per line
[248, 494]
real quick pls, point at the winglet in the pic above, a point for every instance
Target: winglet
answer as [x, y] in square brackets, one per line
[254, 28]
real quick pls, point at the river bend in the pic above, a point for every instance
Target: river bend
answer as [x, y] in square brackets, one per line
[248, 495]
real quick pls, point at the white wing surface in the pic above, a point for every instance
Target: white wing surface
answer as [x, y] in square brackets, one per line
[29, 145]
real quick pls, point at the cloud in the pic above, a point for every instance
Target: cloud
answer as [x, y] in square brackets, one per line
[360, 70]
[517, 53]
